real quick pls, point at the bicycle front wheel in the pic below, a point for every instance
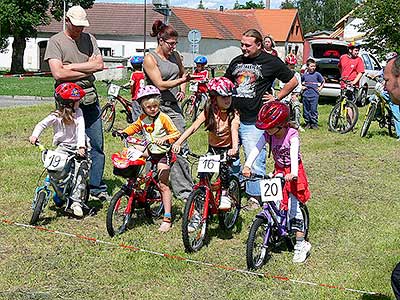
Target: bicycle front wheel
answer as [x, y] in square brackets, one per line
[368, 119]
[38, 207]
[108, 116]
[118, 221]
[189, 111]
[154, 206]
[228, 219]
[258, 249]
[343, 120]
[194, 222]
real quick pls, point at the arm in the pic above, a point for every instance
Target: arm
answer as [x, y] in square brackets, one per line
[235, 135]
[42, 125]
[134, 128]
[294, 159]
[253, 155]
[94, 64]
[287, 88]
[357, 79]
[188, 132]
[59, 71]
[80, 128]
[169, 126]
[322, 83]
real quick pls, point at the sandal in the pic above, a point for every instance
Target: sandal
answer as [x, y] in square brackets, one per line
[165, 225]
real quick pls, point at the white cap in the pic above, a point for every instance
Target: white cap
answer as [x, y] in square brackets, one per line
[77, 16]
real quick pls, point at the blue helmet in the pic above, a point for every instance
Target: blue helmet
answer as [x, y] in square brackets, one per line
[201, 60]
[136, 60]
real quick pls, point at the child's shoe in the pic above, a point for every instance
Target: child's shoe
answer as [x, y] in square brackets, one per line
[301, 251]
[77, 209]
[224, 203]
[165, 225]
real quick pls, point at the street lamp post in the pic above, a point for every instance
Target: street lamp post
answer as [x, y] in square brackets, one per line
[162, 7]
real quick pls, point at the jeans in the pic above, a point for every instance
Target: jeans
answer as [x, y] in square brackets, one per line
[94, 130]
[180, 175]
[395, 279]
[396, 117]
[310, 109]
[248, 137]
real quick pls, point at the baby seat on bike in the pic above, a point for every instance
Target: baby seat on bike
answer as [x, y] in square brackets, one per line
[124, 167]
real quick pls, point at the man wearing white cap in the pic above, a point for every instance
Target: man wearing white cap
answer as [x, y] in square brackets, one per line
[74, 56]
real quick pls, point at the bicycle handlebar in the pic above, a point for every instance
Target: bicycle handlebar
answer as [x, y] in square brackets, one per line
[131, 140]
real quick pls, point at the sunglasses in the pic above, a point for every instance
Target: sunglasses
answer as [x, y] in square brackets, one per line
[171, 44]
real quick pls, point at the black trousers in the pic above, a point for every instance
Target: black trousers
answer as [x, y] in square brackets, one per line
[396, 281]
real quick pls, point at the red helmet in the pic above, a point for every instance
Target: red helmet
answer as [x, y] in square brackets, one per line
[222, 86]
[272, 114]
[68, 92]
[291, 59]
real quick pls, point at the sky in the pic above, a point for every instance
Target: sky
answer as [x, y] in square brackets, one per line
[211, 4]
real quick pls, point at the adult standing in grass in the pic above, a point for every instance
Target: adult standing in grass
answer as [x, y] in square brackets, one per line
[392, 85]
[253, 73]
[74, 56]
[164, 69]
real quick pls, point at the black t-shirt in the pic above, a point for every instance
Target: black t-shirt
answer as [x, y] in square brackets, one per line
[253, 77]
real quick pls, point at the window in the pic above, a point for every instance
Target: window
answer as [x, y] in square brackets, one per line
[296, 49]
[367, 62]
[297, 29]
[105, 51]
[375, 63]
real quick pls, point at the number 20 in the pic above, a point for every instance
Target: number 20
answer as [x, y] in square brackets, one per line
[271, 189]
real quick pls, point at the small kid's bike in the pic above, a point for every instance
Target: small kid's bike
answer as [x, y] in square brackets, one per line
[60, 172]
[194, 105]
[204, 200]
[271, 227]
[113, 97]
[140, 190]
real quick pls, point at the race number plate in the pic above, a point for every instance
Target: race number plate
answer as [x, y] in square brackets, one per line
[208, 164]
[133, 153]
[55, 161]
[193, 86]
[271, 190]
[113, 90]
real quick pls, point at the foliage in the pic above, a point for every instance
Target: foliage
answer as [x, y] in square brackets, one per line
[249, 5]
[382, 23]
[201, 6]
[288, 4]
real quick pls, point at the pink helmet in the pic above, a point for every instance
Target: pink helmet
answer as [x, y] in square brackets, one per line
[222, 86]
[291, 59]
[146, 91]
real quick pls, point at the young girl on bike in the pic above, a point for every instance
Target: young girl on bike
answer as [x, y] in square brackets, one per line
[69, 136]
[222, 122]
[158, 128]
[284, 144]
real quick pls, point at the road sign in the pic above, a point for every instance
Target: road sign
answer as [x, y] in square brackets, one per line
[194, 36]
[195, 48]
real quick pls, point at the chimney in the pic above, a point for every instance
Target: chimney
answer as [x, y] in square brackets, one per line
[221, 8]
[267, 4]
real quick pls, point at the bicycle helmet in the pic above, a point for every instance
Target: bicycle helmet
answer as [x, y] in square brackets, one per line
[353, 45]
[221, 86]
[201, 60]
[136, 60]
[67, 93]
[291, 59]
[390, 56]
[272, 114]
[146, 91]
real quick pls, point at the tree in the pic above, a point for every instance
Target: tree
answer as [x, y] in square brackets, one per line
[20, 20]
[288, 4]
[382, 24]
[201, 6]
[249, 5]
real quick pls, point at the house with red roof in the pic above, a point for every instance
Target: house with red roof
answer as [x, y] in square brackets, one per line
[122, 31]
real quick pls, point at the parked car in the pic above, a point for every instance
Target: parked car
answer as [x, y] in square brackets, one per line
[326, 53]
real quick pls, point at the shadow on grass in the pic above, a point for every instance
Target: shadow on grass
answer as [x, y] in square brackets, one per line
[375, 297]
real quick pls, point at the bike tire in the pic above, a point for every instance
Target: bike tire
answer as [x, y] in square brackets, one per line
[362, 97]
[390, 123]
[154, 207]
[195, 204]
[228, 219]
[108, 116]
[188, 110]
[368, 119]
[117, 222]
[39, 206]
[306, 218]
[339, 123]
[256, 254]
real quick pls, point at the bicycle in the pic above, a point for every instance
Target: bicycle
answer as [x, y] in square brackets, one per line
[271, 227]
[60, 173]
[292, 100]
[108, 111]
[141, 190]
[344, 115]
[203, 202]
[194, 105]
[379, 110]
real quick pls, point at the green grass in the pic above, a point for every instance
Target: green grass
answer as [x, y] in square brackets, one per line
[354, 230]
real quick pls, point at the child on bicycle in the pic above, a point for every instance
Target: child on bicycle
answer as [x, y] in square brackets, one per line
[158, 128]
[69, 136]
[284, 144]
[222, 122]
[202, 73]
[136, 82]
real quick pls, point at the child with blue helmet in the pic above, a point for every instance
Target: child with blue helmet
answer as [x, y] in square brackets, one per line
[137, 81]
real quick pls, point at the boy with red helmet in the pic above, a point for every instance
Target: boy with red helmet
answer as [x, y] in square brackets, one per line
[69, 135]
[284, 143]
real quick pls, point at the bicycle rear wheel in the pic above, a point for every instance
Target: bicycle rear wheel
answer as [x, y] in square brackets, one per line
[189, 111]
[390, 122]
[117, 220]
[343, 121]
[228, 219]
[257, 249]
[108, 116]
[194, 223]
[368, 119]
[39, 205]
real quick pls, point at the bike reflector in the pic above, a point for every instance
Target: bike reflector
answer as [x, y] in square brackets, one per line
[271, 190]
[55, 161]
[208, 164]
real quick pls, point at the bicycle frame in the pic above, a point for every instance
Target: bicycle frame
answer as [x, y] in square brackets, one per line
[270, 213]
[211, 201]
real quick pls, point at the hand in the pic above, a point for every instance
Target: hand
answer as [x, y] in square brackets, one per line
[180, 96]
[82, 151]
[176, 148]
[33, 139]
[246, 172]
[186, 77]
[290, 177]
[159, 141]
[268, 97]
[232, 152]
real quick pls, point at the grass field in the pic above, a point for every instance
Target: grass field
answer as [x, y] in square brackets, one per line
[354, 230]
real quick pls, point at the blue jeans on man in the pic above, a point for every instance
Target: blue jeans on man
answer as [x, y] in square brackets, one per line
[396, 117]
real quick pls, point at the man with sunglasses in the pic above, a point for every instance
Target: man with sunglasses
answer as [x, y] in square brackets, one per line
[253, 73]
[74, 56]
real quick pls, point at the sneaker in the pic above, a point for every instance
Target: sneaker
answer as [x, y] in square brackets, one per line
[77, 209]
[314, 126]
[301, 251]
[102, 196]
[307, 126]
[194, 222]
[301, 129]
[224, 203]
[252, 204]
[165, 226]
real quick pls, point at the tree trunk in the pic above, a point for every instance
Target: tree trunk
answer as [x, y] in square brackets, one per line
[18, 46]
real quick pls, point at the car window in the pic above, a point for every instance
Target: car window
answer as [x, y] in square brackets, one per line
[367, 62]
[328, 50]
[375, 63]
